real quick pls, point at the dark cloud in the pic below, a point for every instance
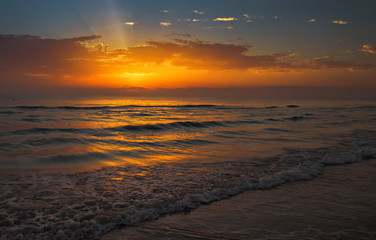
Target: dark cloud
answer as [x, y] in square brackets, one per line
[26, 52]
[329, 62]
[180, 35]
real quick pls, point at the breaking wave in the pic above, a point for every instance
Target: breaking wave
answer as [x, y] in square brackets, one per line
[130, 128]
[86, 205]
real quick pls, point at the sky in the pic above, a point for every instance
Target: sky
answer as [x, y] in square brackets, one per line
[120, 47]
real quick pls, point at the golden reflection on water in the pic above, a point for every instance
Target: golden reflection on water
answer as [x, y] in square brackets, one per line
[120, 137]
[116, 179]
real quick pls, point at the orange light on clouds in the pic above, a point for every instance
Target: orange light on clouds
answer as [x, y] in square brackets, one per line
[224, 19]
[175, 64]
[341, 22]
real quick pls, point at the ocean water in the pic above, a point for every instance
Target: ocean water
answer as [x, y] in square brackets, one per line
[80, 169]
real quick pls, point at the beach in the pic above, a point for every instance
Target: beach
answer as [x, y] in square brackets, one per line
[81, 171]
[340, 204]
[164, 119]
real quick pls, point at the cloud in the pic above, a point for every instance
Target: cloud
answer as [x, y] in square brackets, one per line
[201, 55]
[130, 23]
[329, 62]
[369, 48]
[26, 52]
[225, 19]
[166, 24]
[31, 60]
[217, 56]
[181, 35]
[39, 75]
[198, 12]
[248, 18]
[153, 52]
[251, 18]
[341, 22]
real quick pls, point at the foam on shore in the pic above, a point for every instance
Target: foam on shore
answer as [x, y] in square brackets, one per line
[86, 205]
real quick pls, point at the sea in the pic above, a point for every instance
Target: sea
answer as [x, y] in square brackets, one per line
[79, 169]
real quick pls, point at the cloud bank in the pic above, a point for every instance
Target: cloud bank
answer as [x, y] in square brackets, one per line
[27, 61]
[218, 56]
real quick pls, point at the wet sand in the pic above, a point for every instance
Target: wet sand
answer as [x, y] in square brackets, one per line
[340, 204]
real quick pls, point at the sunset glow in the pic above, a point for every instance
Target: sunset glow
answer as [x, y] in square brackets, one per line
[187, 119]
[185, 47]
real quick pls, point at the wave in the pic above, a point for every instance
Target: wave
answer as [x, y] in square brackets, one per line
[166, 126]
[272, 120]
[32, 120]
[85, 141]
[4, 146]
[8, 112]
[294, 118]
[195, 142]
[114, 107]
[88, 204]
[292, 106]
[53, 161]
[97, 132]
[178, 125]
[277, 130]
[131, 106]
[271, 107]
[53, 141]
[66, 159]
[50, 142]
[276, 140]
[367, 107]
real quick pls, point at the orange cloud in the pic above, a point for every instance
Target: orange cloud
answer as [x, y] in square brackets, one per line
[34, 61]
[201, 55]
[217, 56]
[31, 54]
[166, 24]
[198, 12]
[341, 22]
[225, 19]
[130, 23]
[369, 48]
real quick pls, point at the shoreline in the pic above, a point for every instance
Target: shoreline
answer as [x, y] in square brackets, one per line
[340, 203]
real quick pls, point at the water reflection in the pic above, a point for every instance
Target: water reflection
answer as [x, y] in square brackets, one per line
[102, 134]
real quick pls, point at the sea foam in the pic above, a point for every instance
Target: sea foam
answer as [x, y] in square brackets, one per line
[86, 205]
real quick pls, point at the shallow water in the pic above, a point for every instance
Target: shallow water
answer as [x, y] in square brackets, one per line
[80, 170]
[340, 204]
